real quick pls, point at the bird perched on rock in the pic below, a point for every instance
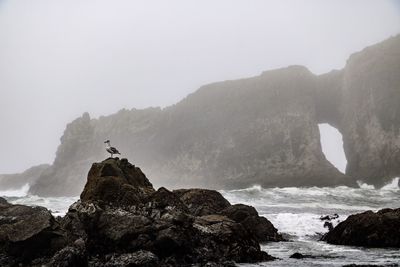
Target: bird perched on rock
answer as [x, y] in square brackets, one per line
[110, 149]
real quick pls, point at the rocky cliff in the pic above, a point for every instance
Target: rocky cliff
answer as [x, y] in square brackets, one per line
[261, 130]
[121, 220]
[16, 181]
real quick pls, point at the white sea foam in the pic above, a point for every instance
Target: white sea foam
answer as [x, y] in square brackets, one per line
[57, 205]
[303, 226]
[21, 192]
[393, 185]
[365, 185]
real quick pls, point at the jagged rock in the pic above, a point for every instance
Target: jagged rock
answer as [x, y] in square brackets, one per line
[139, 258]
[248, 216]
[297, 255]
[3, 201]
[369, 229]
[361, 101]
[27, 233]
[163, 198]
[156, 221]
[69, 257]
[217, 230]
[202, 201]
[18, 180]
[116, 182]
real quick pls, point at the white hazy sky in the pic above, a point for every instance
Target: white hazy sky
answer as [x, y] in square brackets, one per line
[60, 58]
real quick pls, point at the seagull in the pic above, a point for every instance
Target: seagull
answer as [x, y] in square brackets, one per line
[110, 149]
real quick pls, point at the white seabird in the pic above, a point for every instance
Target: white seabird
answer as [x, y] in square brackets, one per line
[110, 149]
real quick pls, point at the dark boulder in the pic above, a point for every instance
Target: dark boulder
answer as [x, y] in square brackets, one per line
[135, 217]
[3, 201]
[202, 201]
[27, 233]
[369, 229]
[70, 256]
[223, 236]
[297, 255]
[116, 182]
[257, 225]
[163, 198]
[139, 258]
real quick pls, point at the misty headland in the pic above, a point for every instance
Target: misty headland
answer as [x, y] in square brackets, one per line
[233, 174]
[257, 141]
[256, 131]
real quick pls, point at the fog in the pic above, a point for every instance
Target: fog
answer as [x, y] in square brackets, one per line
[59, 59]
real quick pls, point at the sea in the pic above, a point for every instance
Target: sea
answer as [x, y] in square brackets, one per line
[296, 213]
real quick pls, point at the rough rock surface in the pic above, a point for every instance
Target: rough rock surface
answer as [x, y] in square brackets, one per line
[16, 181]
[248, 216]
[160, 222]
[116, 182]
[202, 201]
[362, 102]
[28, 232]
[120, 220]
[369, 229]
[169, 225]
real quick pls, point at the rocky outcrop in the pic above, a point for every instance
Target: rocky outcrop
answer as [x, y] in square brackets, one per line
[369, 229]
[260, 130]
[27, 233]
[248, 216]
[16, 181]
[202, 201]
[116, 182]
[120, 220]
[362, 102]
[119, 211]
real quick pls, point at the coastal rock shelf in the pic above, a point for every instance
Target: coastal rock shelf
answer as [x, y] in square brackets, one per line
[121, 220]
[368, 229]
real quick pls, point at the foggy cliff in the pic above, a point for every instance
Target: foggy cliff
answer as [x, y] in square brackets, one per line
[260, 130]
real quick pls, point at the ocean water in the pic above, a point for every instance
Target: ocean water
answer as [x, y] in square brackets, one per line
[296, 213]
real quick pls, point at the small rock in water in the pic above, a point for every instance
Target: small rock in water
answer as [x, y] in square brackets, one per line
[329, 217]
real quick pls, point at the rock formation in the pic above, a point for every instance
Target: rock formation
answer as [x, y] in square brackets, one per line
[260, 130]
[27, 233]
[368, 229]
[18, 180]
[362, 102]
[121, 220]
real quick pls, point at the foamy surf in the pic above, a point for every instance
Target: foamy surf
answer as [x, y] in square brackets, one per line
[296, 213]
[58, 206]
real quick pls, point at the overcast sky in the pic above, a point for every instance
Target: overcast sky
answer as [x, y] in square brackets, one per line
[59, 59]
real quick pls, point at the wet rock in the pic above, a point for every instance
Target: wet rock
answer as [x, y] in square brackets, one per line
[369, 229]
[259, 226]
[202, 201]
[297, 255]
[164, 223]
[328, 225]
[116, 182]
[69, 256]
[27, 233]
[163, 198]
[3, 201]
[329, 217]
[139, 258]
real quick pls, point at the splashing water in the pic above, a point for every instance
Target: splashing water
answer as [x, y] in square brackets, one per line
[296, 213]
